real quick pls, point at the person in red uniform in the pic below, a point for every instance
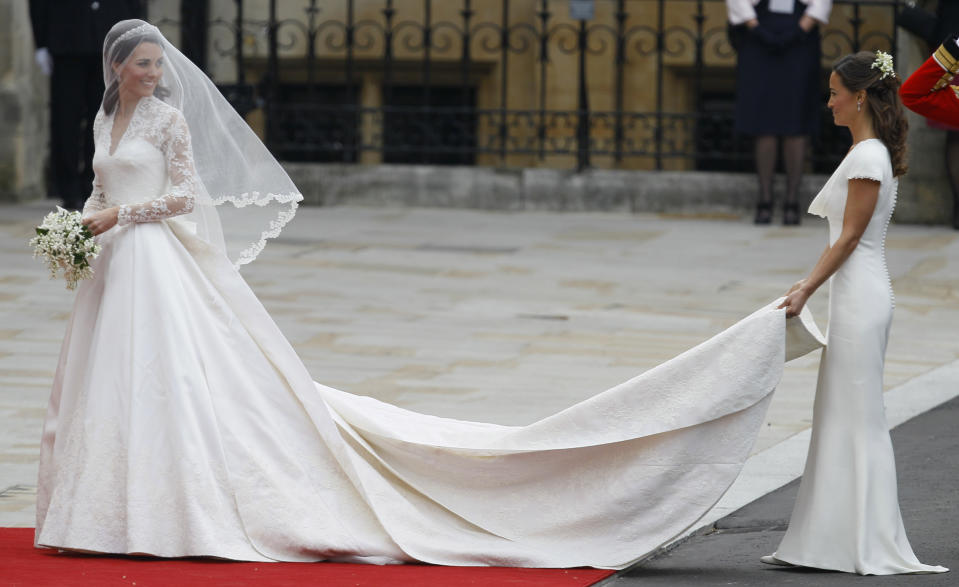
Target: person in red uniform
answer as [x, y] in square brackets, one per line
[929, 91]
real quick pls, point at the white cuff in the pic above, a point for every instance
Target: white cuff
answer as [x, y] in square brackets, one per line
[819, 9]
[740, 12]
[44, 60]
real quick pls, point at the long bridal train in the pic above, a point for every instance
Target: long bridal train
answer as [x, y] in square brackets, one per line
[207, 436]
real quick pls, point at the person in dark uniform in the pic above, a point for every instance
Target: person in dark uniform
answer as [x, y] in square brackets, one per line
[778, 88]
[69, 39]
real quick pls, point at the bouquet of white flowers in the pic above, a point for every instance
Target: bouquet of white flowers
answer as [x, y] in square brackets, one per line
[66, 245]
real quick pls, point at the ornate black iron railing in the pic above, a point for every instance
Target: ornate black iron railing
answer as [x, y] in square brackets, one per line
[492, 82]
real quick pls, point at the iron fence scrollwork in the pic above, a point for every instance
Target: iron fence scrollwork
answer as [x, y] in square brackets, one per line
[450, 83]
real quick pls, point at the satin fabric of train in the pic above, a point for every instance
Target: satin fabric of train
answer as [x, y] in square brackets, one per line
[847, 514]
[182, 423]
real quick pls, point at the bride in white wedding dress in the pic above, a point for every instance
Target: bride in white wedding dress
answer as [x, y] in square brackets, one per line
[182, 423]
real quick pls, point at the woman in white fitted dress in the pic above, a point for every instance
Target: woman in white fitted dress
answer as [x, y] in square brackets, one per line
[846, 516]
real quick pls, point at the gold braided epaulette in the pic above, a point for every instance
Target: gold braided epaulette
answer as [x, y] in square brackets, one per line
[948, 62]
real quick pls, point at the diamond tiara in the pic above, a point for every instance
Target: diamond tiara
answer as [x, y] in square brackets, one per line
[137, 30]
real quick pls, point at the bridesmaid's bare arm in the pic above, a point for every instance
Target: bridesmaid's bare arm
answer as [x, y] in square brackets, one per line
[861, 201]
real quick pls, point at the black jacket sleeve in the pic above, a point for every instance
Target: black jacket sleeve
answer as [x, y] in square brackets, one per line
[39, 14]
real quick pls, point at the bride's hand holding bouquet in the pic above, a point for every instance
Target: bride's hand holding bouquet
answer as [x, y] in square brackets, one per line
[67, 245]
[101, 221]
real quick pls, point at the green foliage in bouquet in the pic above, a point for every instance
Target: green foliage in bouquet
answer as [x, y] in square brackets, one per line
[66, 245]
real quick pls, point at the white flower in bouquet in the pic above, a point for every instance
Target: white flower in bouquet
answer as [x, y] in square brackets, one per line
[67, 245]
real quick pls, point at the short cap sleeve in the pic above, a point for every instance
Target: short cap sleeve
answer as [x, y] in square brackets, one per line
[869, 160]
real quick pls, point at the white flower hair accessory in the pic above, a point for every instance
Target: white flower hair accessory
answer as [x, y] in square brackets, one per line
[883, 63]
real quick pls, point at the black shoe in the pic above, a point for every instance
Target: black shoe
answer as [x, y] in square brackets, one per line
[764, 213]
[791, 215]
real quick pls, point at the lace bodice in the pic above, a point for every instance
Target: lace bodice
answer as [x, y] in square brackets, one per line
[149, 173]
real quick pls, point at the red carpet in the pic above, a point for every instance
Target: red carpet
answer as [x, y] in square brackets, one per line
[21, 565]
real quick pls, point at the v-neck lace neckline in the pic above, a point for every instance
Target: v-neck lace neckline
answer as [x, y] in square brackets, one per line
[114, 148]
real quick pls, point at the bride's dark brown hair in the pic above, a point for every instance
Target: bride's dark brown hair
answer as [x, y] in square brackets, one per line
[120, 51]
[856, 72]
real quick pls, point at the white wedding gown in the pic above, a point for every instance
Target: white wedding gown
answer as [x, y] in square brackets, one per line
[182, 422]
[846, 516]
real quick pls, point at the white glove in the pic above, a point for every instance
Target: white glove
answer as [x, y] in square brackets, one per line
[44, 60]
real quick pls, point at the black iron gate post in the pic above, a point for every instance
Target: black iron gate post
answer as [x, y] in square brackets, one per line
[582, 10]
[423, 115]
[620, 65]
[193, 31]
[273, 70]
[351, 151]
[699, 64]
[582, 127]
[660, 48]
[544, 15]
[504, 82]
[238, 42]
[465, 57]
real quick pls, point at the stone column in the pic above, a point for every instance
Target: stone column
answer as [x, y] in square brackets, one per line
[925, 196]
[24, 111]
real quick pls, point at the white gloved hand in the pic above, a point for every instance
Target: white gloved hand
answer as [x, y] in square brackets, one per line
[44, 60]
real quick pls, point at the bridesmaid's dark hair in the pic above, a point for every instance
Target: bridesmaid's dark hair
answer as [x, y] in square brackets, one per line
[120, 52]
[882, 98]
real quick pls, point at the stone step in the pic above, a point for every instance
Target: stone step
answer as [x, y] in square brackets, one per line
[688, 193]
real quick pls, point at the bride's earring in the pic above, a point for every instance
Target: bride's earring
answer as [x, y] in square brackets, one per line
[858, 106]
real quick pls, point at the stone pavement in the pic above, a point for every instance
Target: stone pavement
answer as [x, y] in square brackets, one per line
[927, 456]
[509, 317]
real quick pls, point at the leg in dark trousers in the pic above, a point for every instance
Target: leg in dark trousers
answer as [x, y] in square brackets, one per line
[71, 126]
[952, 166]
[794, 156]
[766, 151]
[93, 96]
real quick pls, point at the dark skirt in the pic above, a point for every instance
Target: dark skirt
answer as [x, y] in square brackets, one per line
[778, 91]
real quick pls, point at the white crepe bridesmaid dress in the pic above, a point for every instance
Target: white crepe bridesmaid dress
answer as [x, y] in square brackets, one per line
[846, 516]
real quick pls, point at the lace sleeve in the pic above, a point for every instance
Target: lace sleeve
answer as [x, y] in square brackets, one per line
[184, 184]
[96, 201]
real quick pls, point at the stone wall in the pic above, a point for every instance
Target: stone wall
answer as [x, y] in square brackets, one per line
[668, 192]
[24, 115]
